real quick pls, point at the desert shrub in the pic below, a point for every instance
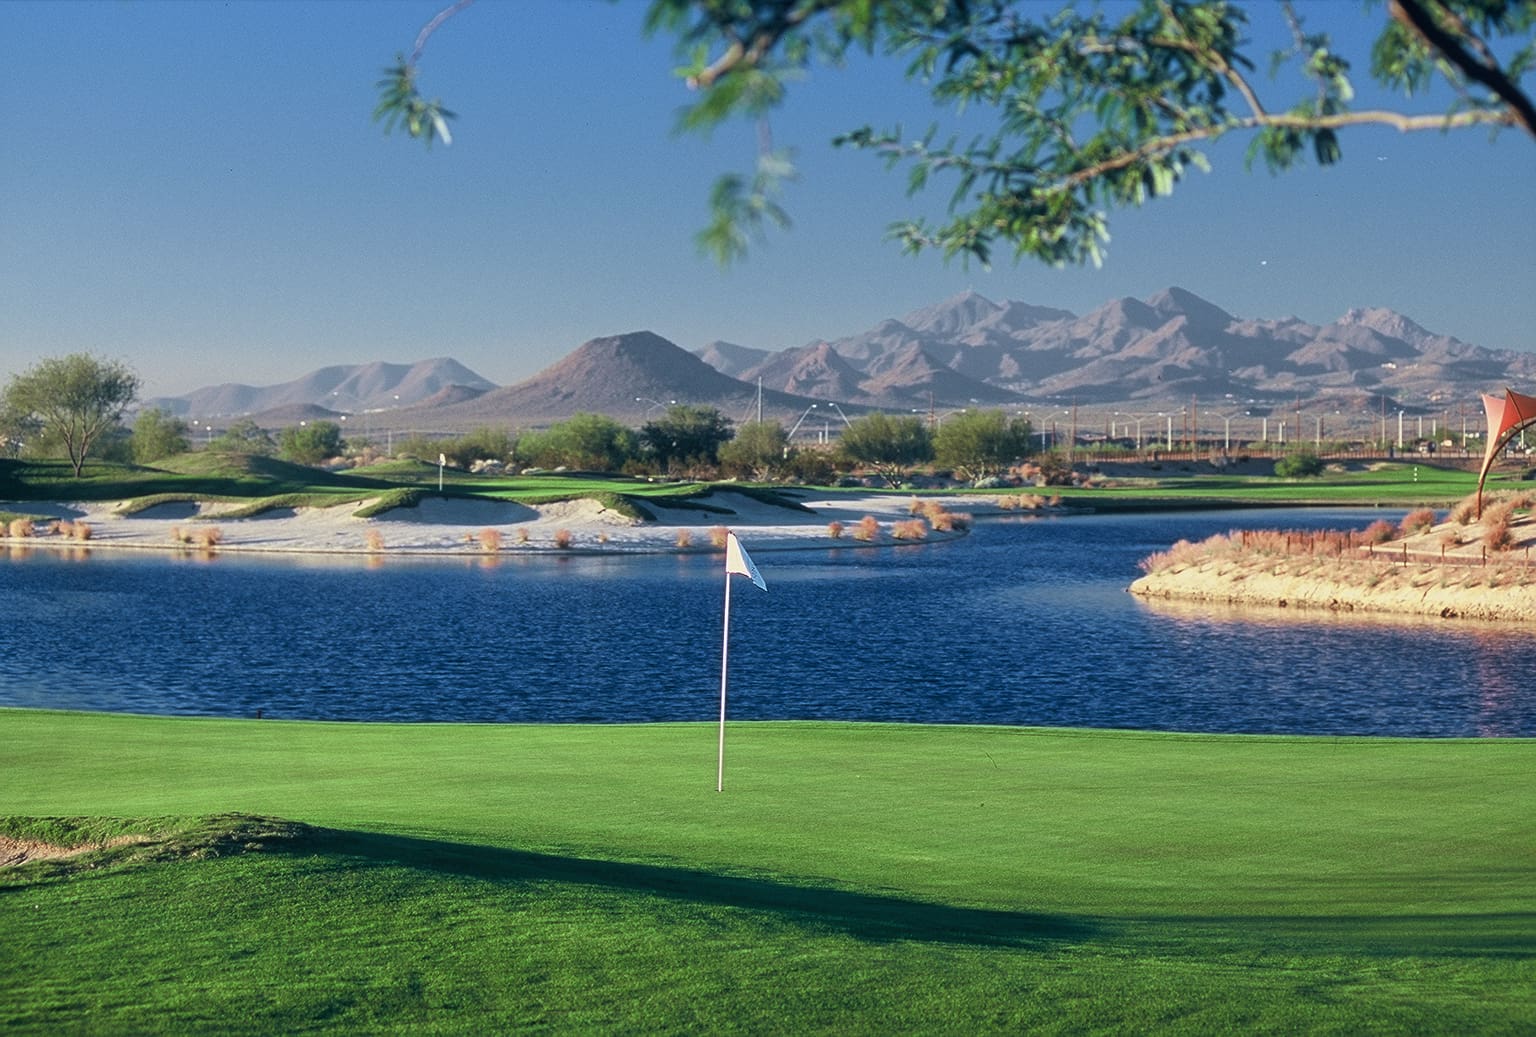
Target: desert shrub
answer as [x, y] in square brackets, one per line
[1301, 464]
[1465, 511]
[684, 538]
[835, 530]
[909, 529]
[1419, 521]
[1379, 532]
[1450, 538]
[867, 529]
[374, 540]
[602, 536]
[21, 527]
[522, 534]
[563, 538]
[917, 506]
[951, 521]
[80, 530]
[209, 536]
[717, 535]
[490, 540]
[1497, 520]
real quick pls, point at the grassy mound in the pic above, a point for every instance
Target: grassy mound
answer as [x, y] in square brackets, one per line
[852, 878]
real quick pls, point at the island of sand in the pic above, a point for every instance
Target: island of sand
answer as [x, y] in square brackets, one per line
[1459, 568]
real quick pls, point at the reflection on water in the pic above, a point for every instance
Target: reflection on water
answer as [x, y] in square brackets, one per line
[1024, 622]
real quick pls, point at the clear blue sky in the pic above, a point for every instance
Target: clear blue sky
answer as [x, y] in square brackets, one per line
[198, 189]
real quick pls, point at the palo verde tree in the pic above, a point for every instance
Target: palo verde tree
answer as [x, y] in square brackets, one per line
[244, 436]
[591, 441]
[309, 442]
[74, 400]
[1087, 110]
[890, 445]
[685, 435]
[158, 433]
[759, 451]
[980, 443]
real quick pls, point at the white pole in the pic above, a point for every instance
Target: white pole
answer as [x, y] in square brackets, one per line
[725, 647]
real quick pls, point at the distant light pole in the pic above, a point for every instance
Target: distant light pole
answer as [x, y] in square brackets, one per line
[653, 404]
[798, 423]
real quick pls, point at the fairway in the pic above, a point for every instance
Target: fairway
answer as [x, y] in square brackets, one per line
[851, 878]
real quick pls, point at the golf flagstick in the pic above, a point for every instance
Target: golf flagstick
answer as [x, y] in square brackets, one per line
[738, 562]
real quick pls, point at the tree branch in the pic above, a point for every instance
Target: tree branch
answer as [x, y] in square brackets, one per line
[1417, 18]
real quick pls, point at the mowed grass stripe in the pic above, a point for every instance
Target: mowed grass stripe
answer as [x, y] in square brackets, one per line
[851, 877]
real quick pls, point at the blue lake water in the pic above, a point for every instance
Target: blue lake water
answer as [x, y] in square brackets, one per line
[1026, 621]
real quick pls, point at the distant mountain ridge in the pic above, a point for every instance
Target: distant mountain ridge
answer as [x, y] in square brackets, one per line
[342, 389]
[963, 351]
[1172, 345]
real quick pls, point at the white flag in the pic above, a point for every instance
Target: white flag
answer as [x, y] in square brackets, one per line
[737, 561]
[442, 459]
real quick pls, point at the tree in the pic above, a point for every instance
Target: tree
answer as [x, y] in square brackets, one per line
[889, 445]
[478, 444]
[244, 437]
[591, 441]
[686, 435]
[76, 399]
[1089, 111]
[309, 442]
[980, 443]
[759, 450]
[1299, 465]
[158, 433]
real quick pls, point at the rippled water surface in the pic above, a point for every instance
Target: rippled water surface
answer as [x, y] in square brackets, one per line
[1024, 622]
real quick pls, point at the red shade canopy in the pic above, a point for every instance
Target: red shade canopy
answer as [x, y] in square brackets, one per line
[1507, 415]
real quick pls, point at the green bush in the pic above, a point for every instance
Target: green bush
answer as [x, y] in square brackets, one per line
[1301, 464]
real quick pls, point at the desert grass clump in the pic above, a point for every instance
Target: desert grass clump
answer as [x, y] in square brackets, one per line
[909, 529]
[950, 521]
[867, 529]
[80, 530]
[1183, 554]
[490, 540]
[209, 537]
[563, 539]
[1497, 520]
[1465, 511]
[1419, 521]
[684, 538]
[835, 529]
[918, 506]
[374, 540]
[522, 534]
[717, 535]
[20, 528]
[1379, 532]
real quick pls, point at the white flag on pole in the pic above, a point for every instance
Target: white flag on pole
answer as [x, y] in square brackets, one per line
[738, 561]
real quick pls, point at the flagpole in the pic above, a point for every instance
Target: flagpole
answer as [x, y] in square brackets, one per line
[725, 648]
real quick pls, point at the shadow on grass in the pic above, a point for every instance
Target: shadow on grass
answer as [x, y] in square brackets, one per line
[865, 916]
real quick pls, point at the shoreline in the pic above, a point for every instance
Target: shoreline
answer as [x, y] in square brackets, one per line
[441, 527]
[1442, 572]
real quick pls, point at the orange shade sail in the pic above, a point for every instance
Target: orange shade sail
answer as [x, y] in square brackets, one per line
[1507, 415]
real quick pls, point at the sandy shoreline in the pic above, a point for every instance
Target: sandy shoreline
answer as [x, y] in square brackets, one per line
[454, 526]
[1418, 576]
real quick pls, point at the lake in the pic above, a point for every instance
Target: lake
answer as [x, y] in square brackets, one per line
[1025, 621]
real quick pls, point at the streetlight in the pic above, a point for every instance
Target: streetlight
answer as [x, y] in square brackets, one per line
[653, 404]
[798, 423]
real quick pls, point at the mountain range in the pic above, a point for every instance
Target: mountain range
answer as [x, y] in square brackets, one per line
[966, 350]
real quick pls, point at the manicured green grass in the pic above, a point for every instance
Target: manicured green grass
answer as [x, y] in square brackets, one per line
[851, 878]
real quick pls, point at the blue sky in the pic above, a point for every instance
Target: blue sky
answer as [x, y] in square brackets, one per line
[198, 189]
